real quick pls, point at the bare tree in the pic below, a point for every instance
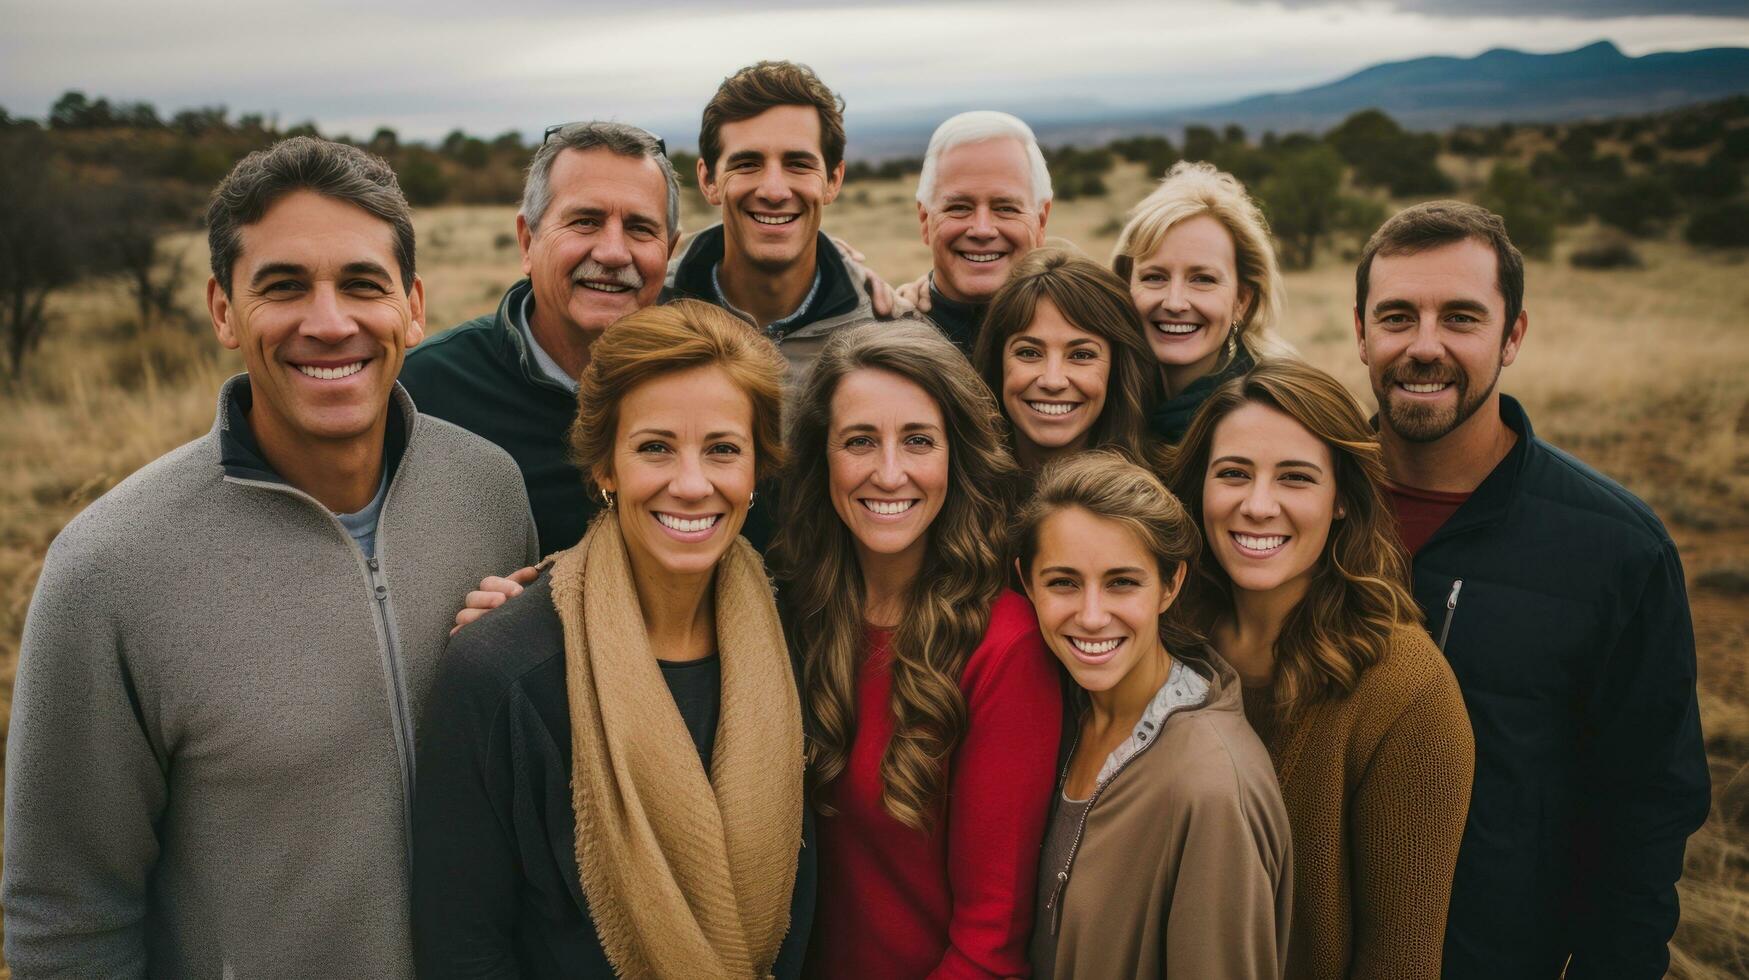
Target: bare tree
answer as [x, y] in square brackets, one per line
[44, 238]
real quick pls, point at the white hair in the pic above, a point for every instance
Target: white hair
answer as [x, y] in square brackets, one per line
[976, 127]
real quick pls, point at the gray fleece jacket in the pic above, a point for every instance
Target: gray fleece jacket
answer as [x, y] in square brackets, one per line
[210, 767]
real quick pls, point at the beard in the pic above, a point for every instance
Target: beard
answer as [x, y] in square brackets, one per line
[1418, 421]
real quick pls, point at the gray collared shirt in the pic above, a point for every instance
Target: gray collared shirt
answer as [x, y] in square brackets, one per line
[542, 360]
[774, 329]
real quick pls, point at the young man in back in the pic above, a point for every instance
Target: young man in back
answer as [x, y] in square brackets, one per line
[210, 766]
[771, 157]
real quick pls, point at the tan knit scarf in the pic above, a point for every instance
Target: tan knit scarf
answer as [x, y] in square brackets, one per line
[686, 874]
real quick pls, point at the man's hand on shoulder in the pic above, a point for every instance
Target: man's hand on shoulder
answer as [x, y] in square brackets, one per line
[494, 591]
[886, 303]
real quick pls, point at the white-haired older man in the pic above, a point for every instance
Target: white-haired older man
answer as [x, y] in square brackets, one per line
[982, 199]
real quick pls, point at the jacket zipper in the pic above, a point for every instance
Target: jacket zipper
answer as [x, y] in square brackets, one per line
[390, 642]
[397, 693]
[1055, 905]
[1451, 602]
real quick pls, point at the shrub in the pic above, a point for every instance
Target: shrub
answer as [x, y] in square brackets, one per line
[1720, 226]
[1529, 209]
[1605, 255]
[1638, 206]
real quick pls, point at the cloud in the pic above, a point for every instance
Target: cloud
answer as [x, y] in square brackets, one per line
[427, 67]
[1570, 9]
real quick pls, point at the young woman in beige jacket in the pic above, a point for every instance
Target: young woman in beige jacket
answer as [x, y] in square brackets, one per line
[1168, 851]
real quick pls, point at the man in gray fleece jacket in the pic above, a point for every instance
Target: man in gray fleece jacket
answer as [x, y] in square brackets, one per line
[210, 766]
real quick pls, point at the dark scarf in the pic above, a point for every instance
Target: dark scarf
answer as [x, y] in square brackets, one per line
[1171, 418]
[958, 321]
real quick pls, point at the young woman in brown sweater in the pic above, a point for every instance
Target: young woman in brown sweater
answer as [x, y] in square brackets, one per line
[1302, 587]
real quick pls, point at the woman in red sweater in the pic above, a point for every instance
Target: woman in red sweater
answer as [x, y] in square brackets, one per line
[935, 707]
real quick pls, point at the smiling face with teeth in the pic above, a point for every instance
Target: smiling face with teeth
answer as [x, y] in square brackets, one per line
[1099, 597]
[322, 319]
[601, 249]
[887, 464]
[1269, 499]
[1054, 380]
[984, 217]
[682, 470]
[1434, 340]
[772, 184]
[1190, 294]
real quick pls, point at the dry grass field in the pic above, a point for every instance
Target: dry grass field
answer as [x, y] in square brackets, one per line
[1642, 372]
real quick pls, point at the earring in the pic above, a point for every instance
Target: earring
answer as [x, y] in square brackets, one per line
[752, 497]
[608, 498]
[1233, 340]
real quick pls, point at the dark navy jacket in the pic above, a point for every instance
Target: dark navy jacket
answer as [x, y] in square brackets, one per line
[1570, 636]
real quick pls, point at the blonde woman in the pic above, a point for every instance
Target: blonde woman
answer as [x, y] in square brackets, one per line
[934, 708]
[610, 765]
[1202, 273]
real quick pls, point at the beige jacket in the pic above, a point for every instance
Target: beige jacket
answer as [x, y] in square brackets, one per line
[1184, 863]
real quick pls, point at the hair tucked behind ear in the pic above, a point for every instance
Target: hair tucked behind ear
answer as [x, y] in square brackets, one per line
[947, 607]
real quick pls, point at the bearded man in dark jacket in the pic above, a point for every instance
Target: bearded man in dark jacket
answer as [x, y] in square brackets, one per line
[1559, 600]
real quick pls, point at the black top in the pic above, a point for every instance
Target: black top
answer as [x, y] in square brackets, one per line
[1570, 637]
[495, 885]
[697, 687]
[482, 377]
[959, 322]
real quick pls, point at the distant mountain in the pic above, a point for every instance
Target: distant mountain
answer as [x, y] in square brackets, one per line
[1595, 81]
[1502, 84]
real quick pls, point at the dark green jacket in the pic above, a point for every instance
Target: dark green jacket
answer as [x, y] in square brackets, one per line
[482, 377]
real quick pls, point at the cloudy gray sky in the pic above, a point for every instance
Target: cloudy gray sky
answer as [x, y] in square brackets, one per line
[426, 68]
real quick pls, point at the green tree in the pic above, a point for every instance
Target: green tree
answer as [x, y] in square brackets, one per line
[1529, 209]
[1383, 154]
[422, 179]
[1200, 143]
[1306, 206]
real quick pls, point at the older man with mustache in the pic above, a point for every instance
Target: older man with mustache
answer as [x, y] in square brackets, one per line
[599, 221]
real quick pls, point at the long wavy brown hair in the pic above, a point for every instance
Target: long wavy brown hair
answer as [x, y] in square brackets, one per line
[1359, 592]
[947, 607]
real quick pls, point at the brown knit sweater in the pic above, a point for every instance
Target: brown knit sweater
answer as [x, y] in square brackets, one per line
[1377, 786]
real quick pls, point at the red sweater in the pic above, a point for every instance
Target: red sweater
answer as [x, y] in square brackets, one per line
[958, 902]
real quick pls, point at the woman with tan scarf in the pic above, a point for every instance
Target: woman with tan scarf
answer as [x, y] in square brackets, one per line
[610, 765]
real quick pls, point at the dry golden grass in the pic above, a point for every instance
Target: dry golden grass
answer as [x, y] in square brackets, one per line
[1641, 372]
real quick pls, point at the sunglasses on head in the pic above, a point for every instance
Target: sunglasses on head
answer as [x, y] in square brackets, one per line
[661, 144]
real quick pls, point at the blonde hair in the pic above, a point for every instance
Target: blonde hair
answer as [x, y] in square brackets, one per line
[1191, 189]
[659, 340]
[948, 604]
